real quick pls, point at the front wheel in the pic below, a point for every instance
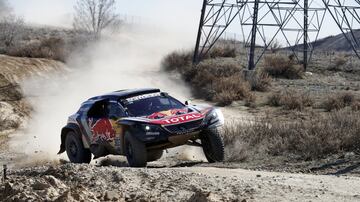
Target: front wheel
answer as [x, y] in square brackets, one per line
[213, 145]
[135, 151]
[154, 155]
[75, 149]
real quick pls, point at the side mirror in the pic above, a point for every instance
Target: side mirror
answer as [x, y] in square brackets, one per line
[187, 102]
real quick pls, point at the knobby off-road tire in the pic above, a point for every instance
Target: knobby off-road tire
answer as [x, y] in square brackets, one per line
[154, 155]
[75, 149]
[135, 151]
[213, 145]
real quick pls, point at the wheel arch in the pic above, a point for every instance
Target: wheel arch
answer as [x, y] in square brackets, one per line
[64, 131]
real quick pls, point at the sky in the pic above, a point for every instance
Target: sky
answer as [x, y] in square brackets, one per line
[59, 12]
[180, 15]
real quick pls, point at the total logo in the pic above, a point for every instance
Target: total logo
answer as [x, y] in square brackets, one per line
[181, 119]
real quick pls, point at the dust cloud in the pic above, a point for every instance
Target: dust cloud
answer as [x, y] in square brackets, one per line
[130, 59]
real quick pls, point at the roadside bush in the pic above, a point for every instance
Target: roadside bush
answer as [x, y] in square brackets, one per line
[260, 81]
[301, 139]
[338, 101]
[282, 67]
[228, 89]
[290, 100]
[177, 61]
[50, 48]
[221, 81]
[274, 99]
[356, 106]
[226, 52]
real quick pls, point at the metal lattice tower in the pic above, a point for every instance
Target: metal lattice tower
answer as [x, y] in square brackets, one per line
[261, 22]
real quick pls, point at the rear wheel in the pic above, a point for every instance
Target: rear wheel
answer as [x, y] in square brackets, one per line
[135, 151]
[75, 149]
[213, 145]
[154, 155]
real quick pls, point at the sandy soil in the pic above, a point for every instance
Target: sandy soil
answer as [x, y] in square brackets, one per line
[71, 182]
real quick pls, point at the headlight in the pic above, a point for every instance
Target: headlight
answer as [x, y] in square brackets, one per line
[151, 129]
[215, 116]
[220, 116]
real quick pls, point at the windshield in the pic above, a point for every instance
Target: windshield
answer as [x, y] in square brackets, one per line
[150, 104]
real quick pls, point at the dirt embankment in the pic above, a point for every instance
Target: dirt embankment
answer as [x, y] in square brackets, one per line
[13, 71]
[15, 107]
[71, 182]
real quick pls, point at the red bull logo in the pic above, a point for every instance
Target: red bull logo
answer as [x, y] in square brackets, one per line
[102, 130]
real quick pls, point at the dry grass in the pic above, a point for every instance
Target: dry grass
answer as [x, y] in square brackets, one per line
[177, 61]
[302, 139]
[282, 67]
[356, 105]
[224, 52]
[290, 100]
[260, 81]
[338, 63]
[338, 101]
[221, 81]
[50, 48]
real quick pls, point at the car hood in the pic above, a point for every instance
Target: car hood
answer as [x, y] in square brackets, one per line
[173, 116]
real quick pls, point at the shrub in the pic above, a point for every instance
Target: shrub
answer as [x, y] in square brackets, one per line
[260, 81]
[282, 67]
[274, 99]
[340, 61]
[177, 61]
[290, 100]
[356, 106]
[228, 89]
[50, 48]
[221, 81]
[305, 139]
[338, 101]
[225, 51]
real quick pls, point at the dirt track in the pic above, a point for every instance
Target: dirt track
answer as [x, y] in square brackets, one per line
[71, 182]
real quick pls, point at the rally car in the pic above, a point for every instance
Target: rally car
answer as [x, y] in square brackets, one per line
[140, 124]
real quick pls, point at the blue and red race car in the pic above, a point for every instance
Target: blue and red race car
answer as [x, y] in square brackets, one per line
[140, 124]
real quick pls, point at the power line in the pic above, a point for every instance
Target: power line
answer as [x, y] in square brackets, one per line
[269, 19]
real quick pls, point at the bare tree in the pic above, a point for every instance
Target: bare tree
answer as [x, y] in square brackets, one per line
[10, 28]
[95, 16]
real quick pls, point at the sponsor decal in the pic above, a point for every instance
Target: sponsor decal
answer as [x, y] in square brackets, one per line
[178, 119]
[102, 130]
[118, 142]
[163, 114]
[141, 97]
[152, 133]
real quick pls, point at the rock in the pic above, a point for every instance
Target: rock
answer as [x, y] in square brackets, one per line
[55, 182]
[65, 197]
[117, 177]
[40, 185]
[111, 196]
[9, 189]
[198, 197]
